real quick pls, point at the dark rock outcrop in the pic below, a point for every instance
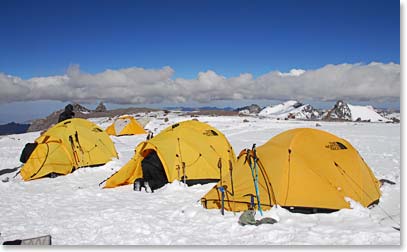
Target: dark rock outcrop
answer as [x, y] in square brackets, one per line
[251, 109]
[81, 109]
[100, 108]
[340, 112]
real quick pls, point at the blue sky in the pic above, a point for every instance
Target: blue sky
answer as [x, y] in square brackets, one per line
[44, 38]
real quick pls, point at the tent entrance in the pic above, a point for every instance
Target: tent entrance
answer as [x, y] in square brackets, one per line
[153, 171]
[26, 153]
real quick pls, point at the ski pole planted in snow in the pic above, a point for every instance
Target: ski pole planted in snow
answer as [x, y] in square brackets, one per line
[222, 191]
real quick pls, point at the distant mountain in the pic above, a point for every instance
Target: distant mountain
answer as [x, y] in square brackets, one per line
[347, 112]
[82, 112]
[100, 108]
[189, 109]
[79, 108]
[394, 117]
[253, 109]
[392, 114]
[184, 109]
[216, 108]
[340, 112]
[13, 128]
[290, 110]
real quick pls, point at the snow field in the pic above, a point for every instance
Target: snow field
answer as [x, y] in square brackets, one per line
[76, 211]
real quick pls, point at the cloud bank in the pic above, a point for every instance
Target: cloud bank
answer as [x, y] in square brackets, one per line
[360, 82]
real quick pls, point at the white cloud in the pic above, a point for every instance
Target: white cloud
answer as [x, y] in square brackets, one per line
[293, 72]
[374, 81]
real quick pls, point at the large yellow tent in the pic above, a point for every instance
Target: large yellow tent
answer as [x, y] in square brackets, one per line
[300, 169]
[189, 151]
[125, 125]
[67, 146]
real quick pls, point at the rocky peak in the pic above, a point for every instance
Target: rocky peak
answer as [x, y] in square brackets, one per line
[100, 108]
[298, 104]
[311, 112]
[340, 111]
[251, 109]
[79, 108]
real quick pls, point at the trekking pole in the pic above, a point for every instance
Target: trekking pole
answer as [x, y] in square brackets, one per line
[178, 171]
[231, 177]
[75, 155]
[256, 183]
[222, 191]
[182, 162]
[220, 171]
[79, 144]
[252, 201]
[231, 183]
[183, 172]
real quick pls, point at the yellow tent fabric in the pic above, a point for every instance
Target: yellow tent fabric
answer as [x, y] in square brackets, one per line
[299, 168]
[67, 146]
[125, 125]
[189, 150]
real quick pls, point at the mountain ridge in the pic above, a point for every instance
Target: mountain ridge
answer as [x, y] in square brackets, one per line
[287, 110]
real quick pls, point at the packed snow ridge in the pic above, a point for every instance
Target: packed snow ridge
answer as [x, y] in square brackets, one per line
[341, 111]
[290, 110]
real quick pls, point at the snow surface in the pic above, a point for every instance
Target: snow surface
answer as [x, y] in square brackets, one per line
[284, 110]
[76, 211]
[245, 112]
[279, 110]
[366, 113]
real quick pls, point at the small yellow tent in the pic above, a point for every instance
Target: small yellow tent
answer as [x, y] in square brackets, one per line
[189, 151]
[125, 125]
[300, 169]
[67, 146]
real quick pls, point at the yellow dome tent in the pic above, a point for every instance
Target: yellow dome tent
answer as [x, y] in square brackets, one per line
[301, 169]
[125, 125]
[189, 151]
[67, 146]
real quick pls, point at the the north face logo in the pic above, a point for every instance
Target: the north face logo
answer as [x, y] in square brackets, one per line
[210, 133]
[336, 146]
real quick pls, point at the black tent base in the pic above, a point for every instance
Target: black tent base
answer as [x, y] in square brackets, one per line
[309, 210]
